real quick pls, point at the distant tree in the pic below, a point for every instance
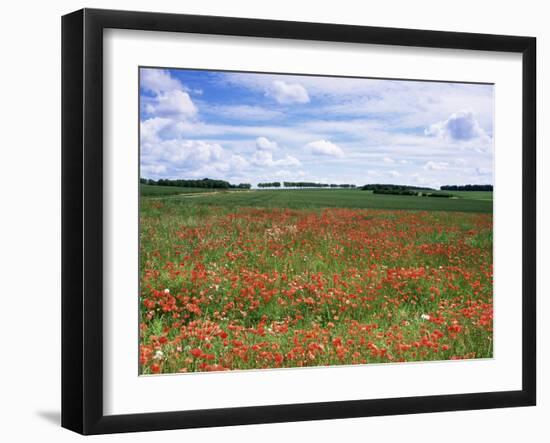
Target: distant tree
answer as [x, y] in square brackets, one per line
[467, 188]
[389, 187]
[203, 183]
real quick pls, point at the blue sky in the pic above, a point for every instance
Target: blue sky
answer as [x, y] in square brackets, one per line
[248, 128]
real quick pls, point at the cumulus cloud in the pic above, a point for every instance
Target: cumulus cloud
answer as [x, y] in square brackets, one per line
[265, 158]
[287, 93]
[151, 129]
[325, 147]
[158, 80]
[460, 126]
[189, 158]
[171, 97]
[173, 103]
[183, 153]
[360, 124]
[264, 144]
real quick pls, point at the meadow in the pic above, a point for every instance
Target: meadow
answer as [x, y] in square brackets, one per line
[161, 191]
[276, 279]
[324, 198]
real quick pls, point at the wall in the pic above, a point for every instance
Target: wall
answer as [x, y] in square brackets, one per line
[30, 225]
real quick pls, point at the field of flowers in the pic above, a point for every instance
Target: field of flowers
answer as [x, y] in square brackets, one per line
[227, 288]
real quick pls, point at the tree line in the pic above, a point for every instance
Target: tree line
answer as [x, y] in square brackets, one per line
[467, 188]
[201, 183]
[316, 185]
[303, 185]
[380, 188]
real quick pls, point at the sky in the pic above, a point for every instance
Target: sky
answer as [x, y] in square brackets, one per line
[252, 127]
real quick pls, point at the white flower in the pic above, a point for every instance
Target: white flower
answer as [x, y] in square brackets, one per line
[425, 317]
[159, 355]
[167, 291]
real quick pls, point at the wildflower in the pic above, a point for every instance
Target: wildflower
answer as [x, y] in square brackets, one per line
[159, 355]
[425, 317]
[196, 352]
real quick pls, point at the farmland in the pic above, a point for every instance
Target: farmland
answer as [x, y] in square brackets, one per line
[324, 198]
[292, 278]
[160, 191]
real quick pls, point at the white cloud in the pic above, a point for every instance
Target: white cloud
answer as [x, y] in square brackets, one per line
[178, 158]
[460, 126]
[243, 112]
[183, 153]
[238, 162]
[436, 166]
[150, 129]
[325, 147]
[374, 123]
[394, 174]
[158, 80]
[265, 158]
[173, 103]
[153, 170]
[264, 144]
[287, 93]
[171, 96]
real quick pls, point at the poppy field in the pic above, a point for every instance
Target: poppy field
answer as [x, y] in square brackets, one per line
[258, 286]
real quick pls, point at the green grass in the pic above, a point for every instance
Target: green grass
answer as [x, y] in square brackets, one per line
[327, 198]
[225, 287]
[159, 191]
[473, 195]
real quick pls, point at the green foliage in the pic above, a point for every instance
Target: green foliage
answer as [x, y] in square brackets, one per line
[386, 188]
[207, 183]
[486, 188]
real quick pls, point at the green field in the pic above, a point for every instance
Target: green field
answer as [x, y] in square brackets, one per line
[328, 198]
[473, 195]
[159, 191]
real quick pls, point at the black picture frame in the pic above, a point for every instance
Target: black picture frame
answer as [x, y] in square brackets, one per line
[82, 218]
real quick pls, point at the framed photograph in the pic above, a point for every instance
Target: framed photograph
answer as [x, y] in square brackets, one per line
[269, 221]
